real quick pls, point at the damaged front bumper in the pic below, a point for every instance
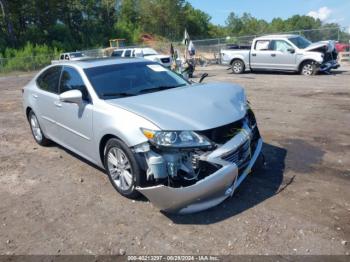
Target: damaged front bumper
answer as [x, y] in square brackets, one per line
[329, 65]
[216, 187]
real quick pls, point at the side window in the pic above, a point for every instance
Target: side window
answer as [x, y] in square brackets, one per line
[262, 45]
[71, 80]
[62, 57]
[48, 80]
[66, 57]
[280, 45]
[127, 53]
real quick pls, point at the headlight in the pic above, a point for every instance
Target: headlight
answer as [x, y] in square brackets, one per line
[176, 139]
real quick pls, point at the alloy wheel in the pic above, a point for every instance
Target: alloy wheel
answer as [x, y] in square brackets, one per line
[308, 69]
[237, 67]
[119, 168]
[36, 128]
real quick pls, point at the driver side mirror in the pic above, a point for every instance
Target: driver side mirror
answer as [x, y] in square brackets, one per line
[291, 50]
[72, 96]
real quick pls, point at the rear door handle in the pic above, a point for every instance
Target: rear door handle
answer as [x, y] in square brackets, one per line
[58, 104]
[35, 96]
[273, 55]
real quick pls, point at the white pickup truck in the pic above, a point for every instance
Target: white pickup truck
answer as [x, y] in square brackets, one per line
[283, 53]
[147, 53]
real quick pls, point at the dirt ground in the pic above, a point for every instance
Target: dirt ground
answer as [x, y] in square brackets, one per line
[52, 202]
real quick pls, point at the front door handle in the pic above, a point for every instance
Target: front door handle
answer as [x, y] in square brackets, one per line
[35, 96]
[273, 55]
[58, 104]
[253, 54]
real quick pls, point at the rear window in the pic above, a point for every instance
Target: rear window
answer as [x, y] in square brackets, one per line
[127, 53]
[48, 80]
[262, 45]
[74, 55]
[117, 53]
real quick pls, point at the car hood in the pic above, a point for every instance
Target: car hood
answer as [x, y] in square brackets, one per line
[195, 107]
[330, 45]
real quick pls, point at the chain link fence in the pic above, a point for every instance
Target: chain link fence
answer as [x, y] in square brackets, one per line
[207, 50]
[30, 63]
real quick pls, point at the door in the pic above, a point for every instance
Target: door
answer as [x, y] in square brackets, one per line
[74, 121]
[261, 57]
[46, 97]
[284, 55]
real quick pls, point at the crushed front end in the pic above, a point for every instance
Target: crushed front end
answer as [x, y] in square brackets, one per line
[330, 56]
[187, 180]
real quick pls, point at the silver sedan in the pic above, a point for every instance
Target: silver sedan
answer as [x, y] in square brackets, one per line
[185, 146]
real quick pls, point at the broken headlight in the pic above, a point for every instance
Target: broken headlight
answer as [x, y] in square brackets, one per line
[176, 139]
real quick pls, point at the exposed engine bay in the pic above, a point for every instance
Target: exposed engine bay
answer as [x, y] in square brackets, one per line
[185, 167]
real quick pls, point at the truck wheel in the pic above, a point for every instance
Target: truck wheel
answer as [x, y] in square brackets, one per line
[308, 68]
[238, 66]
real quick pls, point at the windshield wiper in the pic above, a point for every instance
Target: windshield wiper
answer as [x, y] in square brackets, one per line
[144, 91]
[118, 94]
[158, 88]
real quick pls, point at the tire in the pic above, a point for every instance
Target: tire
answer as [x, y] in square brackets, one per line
[122, 168]
[308, 68]
[37, 133]
[237, 66]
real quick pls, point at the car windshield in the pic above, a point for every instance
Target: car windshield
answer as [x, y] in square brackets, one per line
[131, 79]
[300, 42]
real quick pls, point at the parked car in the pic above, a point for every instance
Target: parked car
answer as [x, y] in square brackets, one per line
[285, 53]
[147, 53]
[185, 146]
[70, 56]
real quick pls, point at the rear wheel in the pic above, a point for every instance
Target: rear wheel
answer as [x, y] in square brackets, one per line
[122, 168]
[238, 66]
[308, 68]
[38, 134]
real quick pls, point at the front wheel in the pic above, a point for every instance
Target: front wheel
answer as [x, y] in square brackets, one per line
[238, 67]
[308, 68]
[122, 168]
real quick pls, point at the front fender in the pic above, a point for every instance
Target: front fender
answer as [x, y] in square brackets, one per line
[314, 56]
[111, 120]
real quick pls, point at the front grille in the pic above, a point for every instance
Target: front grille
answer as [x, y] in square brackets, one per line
[239, 156]
[222, 134]
[243, 154]
[165, 60]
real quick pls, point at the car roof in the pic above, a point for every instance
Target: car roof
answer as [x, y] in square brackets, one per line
[96, 62]
[284, 36]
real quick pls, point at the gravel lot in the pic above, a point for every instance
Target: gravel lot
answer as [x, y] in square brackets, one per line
[53, 202]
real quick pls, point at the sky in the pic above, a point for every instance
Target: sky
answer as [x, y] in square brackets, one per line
[337, 11]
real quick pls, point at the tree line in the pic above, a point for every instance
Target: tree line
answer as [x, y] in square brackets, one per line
[81, 24]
